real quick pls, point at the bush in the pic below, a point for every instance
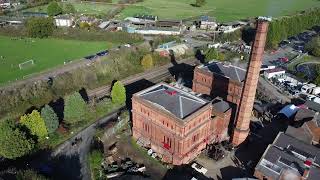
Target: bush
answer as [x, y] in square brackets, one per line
[54, 9]
[40, 27]
[314, 46]
[74, 109]
[69, 8]
[50, 118]
[95, 160]
[147, 61]
[29, 175]
[213, 54]
[118, 93]
[35, 124]
[84, 25]
[13, 141]
[200, 3]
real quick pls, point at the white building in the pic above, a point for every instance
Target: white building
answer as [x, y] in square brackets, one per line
[158, 31]
[64, 21]
[270, 73]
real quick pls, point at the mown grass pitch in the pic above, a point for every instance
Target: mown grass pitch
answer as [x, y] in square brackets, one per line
[46, 53]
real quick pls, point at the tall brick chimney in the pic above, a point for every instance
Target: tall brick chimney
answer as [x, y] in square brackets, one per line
[243, 117]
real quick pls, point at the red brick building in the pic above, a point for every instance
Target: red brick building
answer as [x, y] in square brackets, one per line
[219, 79]
[176, 123]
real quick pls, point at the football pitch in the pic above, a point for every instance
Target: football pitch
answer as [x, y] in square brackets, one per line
[45, 53]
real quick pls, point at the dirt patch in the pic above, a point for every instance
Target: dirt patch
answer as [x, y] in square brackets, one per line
[127, 148]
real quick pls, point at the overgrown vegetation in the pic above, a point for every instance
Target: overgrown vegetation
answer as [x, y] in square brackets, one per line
[95, 160]
[14, 142]
[29, 175]
[213, 54]
[40, 27]
[282, 28]
[54, 9]
[314, 46]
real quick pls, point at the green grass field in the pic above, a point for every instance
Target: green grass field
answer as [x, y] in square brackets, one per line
[81, 8]
[46, 53]
[223, 10]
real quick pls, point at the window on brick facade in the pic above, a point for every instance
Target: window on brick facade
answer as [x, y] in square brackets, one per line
[166, 142]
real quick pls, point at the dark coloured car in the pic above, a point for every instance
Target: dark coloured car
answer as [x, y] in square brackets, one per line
[91, 57]
[103, 53]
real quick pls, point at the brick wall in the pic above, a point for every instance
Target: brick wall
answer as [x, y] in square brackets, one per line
[178, 141]
[209, 83]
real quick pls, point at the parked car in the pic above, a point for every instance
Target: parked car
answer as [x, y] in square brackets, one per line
[283, 59]
[199, 168]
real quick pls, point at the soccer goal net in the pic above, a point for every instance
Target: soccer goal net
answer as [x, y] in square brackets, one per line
[26, 64]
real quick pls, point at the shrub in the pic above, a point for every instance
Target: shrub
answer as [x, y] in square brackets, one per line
[54, 9]
[35, 124]
[74, 109]
[147, 61]
[50, 118]
[13, 142]
[314, 46]
[118, 93]
[69, 8]
[29, 175]
[40, 27]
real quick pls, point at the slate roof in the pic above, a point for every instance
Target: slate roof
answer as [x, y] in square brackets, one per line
[313, 105]
[302, 133]
[227, 70]
[220, 105]
[287, 152]
[174, 100]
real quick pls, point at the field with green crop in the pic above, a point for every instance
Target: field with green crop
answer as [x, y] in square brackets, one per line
[223, 10]
[46, 54]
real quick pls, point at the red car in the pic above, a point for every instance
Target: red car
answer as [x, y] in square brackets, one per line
[284, 59]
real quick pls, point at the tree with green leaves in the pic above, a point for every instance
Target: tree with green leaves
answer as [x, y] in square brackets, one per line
[282, 28]
[314, 46]
[69, 8]
[213, 54]
[35, 124]
[50, 118]
[147, 61]
[54, 9]
[13, 141]
[74, 108]
[118, 93]
[40, 27]
[200, 3]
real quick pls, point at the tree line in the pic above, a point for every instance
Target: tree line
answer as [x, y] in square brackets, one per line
[282, 28]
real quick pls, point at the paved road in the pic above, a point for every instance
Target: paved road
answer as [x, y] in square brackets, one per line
[82, 149]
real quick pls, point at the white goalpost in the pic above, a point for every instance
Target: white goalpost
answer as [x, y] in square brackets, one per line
[26, 64]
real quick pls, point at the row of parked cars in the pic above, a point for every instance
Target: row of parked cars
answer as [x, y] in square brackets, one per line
[99, 54]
